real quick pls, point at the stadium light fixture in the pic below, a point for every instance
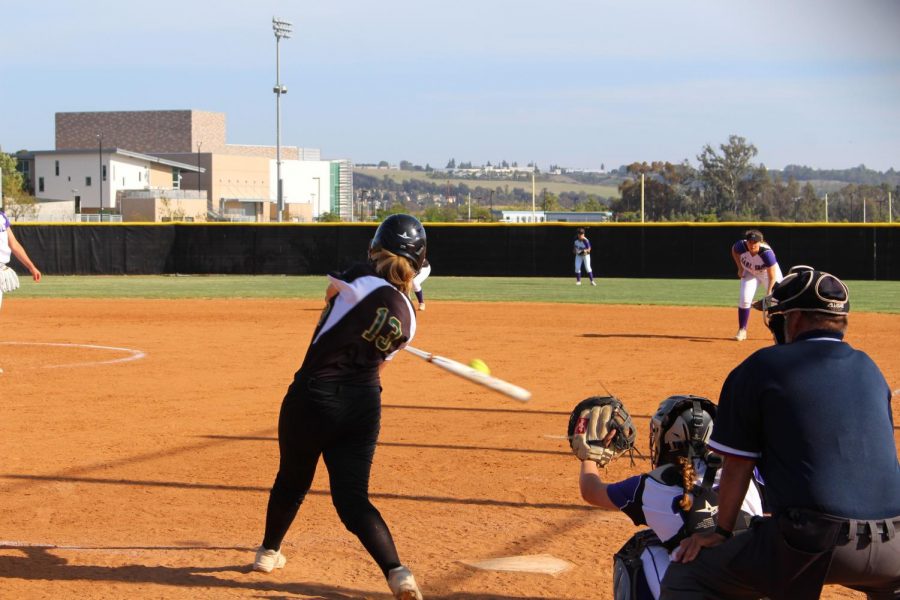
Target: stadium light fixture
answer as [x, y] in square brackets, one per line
[282, 30]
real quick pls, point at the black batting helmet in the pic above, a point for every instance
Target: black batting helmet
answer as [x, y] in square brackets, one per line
[403, 235]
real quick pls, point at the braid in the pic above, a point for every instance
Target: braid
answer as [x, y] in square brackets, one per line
[687, 478]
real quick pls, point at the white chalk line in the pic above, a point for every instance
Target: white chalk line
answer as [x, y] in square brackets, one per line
[118, 549]
[133, 354]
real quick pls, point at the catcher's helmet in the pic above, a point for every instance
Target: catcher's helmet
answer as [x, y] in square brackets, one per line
[803, 289]
[681, 427]
[403, 235]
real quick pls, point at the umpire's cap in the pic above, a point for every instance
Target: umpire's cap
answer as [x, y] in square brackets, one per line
[806, 289]
[403, 235]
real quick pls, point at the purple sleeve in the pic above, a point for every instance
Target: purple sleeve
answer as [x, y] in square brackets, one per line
[622, 493]
[768, 257]
[5, 219]
[587, 244]
[739, 246]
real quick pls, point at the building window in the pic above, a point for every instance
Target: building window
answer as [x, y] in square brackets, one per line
[40, 184]
[176, 179]
[57, 168]
[104, 172]
[87, 180]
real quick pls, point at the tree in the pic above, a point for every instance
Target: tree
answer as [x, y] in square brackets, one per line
[550, 201]
[451, 164]
[15, 201]
[329, 217]
[383, 164]
[405, 165]
[727, 175]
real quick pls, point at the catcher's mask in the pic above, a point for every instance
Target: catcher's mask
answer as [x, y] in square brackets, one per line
[803, 289]
[681, 427]
[403, 235]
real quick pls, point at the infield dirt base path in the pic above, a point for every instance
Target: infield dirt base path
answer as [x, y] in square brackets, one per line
[146, 476]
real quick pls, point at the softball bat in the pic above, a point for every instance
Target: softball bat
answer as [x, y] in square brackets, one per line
[473, 375]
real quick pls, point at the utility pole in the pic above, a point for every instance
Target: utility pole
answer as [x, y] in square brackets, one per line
[100, 179]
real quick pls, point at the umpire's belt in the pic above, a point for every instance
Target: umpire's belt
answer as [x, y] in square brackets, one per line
[850, 529]
[885, 530]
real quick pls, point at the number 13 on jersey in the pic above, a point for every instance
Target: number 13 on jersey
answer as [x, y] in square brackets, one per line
[386, 341]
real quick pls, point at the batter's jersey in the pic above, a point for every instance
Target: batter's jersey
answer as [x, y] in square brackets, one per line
[757, 264]
[362, 326]
[816, 415]
[582, 245]
[5, 251]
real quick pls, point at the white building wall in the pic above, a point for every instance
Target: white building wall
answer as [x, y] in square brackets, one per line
[303, 182]
[122, 173]
[71, 181]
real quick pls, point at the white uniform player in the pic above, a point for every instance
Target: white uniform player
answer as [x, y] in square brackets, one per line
[582, 251]
[419, 280]
[9, 247]
[756, 263]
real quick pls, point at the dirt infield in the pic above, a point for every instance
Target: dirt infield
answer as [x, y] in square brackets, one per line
[138, 444]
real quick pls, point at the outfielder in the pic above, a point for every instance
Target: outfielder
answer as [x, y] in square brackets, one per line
[582, 251]
[9, 247]
[756, 263]
[814, 416]
[332, 409]
[677, 498]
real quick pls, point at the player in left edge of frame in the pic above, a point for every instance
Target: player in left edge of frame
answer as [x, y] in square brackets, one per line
[332, 408]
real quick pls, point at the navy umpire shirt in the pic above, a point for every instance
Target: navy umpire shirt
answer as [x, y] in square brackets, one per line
[816, 415]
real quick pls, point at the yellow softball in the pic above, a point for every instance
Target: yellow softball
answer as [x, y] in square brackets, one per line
[480, 365]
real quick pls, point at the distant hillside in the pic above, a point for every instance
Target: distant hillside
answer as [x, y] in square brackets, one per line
[859, 175]
[607, 188]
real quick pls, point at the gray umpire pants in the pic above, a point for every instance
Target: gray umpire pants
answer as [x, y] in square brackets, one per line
[761, 562]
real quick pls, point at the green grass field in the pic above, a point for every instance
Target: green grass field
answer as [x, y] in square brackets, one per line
[867, 296]
[555, 187]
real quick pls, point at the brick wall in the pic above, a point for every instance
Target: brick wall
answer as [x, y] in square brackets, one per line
[142, 131]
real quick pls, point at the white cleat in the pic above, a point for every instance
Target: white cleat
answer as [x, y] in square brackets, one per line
[268, 560]
[594, 283]
[741, 335]
[422, 306]
[577, 283]
[403, 584]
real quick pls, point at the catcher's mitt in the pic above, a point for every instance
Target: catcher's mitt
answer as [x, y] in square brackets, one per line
[9, 281]
[600, 429]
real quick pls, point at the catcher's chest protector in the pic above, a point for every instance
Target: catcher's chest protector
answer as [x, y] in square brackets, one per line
[629, 580]
[701, 515]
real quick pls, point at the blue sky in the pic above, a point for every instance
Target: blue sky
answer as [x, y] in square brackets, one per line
[574, 83]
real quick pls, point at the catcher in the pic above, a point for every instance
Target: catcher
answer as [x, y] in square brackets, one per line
[675, 499]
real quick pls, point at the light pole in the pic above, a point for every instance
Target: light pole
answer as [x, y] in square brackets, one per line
[282, 29]
[100, 179]
[318, 191]
[533, 168]
[198, 165]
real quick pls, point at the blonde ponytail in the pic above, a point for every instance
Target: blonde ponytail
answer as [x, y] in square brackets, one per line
[397, 270]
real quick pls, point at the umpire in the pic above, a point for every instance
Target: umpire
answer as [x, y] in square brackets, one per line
[814, 416]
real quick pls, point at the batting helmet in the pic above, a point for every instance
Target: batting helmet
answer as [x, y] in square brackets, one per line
[403, 235]
[681, 427]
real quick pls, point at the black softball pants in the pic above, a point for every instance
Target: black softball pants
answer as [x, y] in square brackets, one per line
[340, 423]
